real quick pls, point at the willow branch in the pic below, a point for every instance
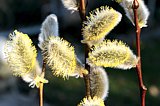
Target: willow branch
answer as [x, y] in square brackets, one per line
[82, 11]
[41, 85]
[142, 88]
[41, 94]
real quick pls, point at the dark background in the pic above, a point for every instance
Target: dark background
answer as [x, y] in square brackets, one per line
[27, 16]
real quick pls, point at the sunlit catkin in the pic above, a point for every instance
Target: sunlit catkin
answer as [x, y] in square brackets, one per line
[20, 53]
[109, 54]
[95, 101]
[142, 11]
[99, 82]
[49, 28]
[100, 22]
[60, 56]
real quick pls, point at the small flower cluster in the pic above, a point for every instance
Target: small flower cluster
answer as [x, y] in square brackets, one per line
[57, 53]
[60, 56]
[106, 53]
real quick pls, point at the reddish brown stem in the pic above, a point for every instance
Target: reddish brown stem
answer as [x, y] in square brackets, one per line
[82, 11]
[41, 85]
[142, 88]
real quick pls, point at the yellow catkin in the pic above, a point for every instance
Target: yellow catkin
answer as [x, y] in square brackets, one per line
[99, 82]
[109, 54]
[142, 11]
[60, 56]
[20, 53]
[95, 101]
[100, 22]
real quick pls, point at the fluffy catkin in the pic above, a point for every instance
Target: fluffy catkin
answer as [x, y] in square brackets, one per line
[95, 101]
[49, 28]
[60, 56]
[115, 54]
[108, 54]
[20, 53]
[99, 82]
[100, 22]
[71, 5]
[143, 12]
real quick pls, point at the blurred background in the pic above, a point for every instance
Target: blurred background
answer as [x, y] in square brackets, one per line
[27, 16]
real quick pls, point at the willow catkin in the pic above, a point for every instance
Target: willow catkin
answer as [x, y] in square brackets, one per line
[21, 57]
[60, 56]
[113, 54]
[99, 82]
[100, 22]
[142, 11]
[108, 54]
[20, 54]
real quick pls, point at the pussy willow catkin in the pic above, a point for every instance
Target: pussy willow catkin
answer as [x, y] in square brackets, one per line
[100, 22]
[99, 82]
[20, 54]
[60, 56]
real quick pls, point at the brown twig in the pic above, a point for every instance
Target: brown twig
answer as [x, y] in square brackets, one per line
[41, 85]
[142, 88]
[41, 94]
[82, 11]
